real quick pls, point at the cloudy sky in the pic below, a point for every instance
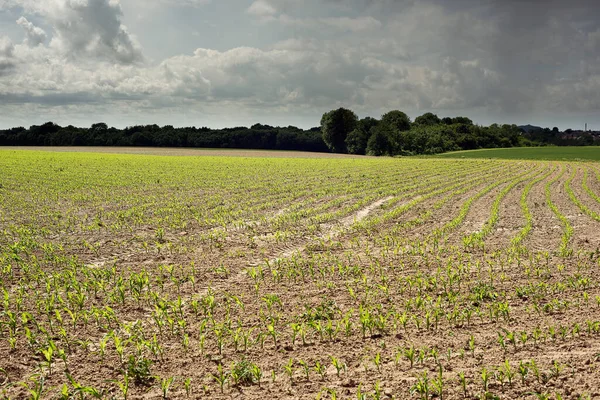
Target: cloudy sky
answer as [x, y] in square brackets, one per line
[236, 62]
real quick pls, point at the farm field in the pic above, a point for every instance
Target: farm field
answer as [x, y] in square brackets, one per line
[180, 151]
[563, 153]
[136, 277]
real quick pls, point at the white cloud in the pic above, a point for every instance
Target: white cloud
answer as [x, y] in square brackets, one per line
[352, 24]
[338, 23]
[34, 35]
[6, 55]
[269, 11]
[182, 3]
[81, 28]
[6, 47]
[29, 6]
[92, 28]
[262, 8]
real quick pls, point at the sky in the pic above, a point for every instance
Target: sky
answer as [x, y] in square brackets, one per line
[223, 63]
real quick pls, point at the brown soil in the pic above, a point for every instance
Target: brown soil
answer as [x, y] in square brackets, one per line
[457, 302]
[547, 229]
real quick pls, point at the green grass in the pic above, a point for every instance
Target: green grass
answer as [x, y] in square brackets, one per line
[531, 153]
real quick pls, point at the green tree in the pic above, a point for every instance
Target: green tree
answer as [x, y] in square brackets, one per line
[100, 127]
[428, 119]
[462, 120]
[356, 142]
[396, 120]
[335, 127]
[381, 143]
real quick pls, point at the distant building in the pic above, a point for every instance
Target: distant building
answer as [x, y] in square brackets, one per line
[580, 135]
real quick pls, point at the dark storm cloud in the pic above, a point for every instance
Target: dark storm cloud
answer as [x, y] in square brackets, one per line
[487, 59]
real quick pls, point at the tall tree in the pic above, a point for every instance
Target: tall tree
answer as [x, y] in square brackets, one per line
[335, 127]
[356, 142]
[428, 119]
[396, 120]
[381, 142]
[462, 120]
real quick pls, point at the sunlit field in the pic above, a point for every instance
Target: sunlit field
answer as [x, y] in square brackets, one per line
[133, 276]
[563, 153]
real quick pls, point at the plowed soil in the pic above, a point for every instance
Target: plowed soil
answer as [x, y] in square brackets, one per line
[295, 278]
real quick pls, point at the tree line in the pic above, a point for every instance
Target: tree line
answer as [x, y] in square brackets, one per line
[396, 134]
[341, 131]
[256, 137]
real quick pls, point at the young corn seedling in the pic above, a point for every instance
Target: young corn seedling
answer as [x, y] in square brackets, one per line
[330, 330]
[575, 330]
[377, 361]
[438, 382]
[512, 339]
[472, 345]
[360, 395]
[124, 385]
[449, 354]
[508, 372]
[256, 373]
[398, 356]
[463, 382]
[246, 338]
[485, 378]
[433, 354]
[38, 387]
[422, 355]
[321, 369]
[271, 330]
[501, 341]
[347, 324]
[220, 337]
[165, 385]
[537, 335]
[556, 369]
[295, 330]
[535, 370]
[332, 393]
[102, 346]
[119, 347]
[410, 354]
[377, 391]
[523, 371]
[221, 377]
[421, 386]
[81, 390]
[65, 394]
[187, 384]
[48, 355]
[305, 368]
[523, 338]
[338, 365]
[289, 370]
